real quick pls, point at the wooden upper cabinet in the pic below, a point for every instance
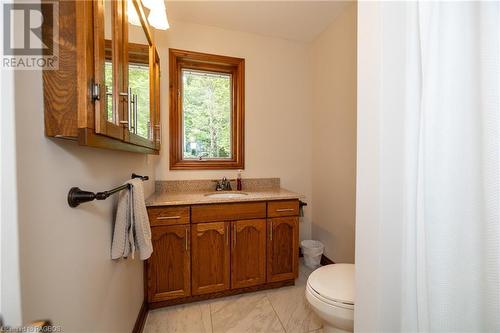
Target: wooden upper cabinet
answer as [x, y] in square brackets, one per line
[105, 92]
[210, 257]
[248, 255]
[282, 248]
[168, 268]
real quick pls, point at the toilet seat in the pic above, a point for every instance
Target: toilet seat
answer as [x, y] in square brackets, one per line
[327, 301]
[333, 285]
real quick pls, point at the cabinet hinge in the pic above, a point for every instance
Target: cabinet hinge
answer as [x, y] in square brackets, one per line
[96, 91]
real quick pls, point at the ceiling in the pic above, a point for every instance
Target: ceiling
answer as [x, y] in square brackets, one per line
[295, 20]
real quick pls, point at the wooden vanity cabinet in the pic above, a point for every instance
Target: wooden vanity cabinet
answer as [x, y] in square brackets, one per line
[282, 248]
[248, 253]
[212, 250]
[169, 267]
[91, 97]
[210, 257]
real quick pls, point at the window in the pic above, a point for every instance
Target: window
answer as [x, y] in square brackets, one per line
[206, 111]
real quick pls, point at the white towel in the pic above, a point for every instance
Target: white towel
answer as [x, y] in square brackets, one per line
[132, 229]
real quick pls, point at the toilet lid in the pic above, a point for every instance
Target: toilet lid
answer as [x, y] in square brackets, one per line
[334, 282]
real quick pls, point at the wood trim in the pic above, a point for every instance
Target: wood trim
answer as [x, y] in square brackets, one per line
[179, 59]
[142, 316]
[138, 53]
[224, 293]
[156, 95]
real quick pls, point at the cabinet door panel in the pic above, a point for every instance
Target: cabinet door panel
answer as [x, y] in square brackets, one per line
[169, 265]
[248, 255]
[107, 33]
[138, 73]
[282, 249]
[210, 257]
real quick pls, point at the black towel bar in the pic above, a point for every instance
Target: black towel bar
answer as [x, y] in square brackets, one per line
[77, 196]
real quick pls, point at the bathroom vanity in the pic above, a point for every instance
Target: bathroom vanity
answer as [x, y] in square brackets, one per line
[207, 247]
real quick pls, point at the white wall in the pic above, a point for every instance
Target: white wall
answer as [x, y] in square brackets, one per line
[277, 111]
[334, 136]
[10, 289]
[67, 275]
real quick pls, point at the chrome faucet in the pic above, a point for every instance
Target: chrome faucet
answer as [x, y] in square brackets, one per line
[223, 185]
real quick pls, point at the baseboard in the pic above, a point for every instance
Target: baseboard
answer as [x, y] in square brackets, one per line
[326, 261]
[141, 318]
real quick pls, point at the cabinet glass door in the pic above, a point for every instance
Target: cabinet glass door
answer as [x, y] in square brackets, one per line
[109, 117]
[139, 73]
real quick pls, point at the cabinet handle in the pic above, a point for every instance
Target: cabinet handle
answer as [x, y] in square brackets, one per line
[285, 210]
[96, 91]
[129, 107]
[135, 113]
[168, 217]
[158, 129]
[186, 239]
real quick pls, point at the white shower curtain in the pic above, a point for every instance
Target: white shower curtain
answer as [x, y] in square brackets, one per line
[451, 260]
[449, 234]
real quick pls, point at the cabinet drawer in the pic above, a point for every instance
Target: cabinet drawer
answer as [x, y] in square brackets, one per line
[283, 208]
[228, 212]
[168, 215]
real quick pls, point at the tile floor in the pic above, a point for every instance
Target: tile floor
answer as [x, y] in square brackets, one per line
[283, 310]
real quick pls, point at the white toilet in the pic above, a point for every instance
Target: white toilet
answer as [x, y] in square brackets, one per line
[330, 292]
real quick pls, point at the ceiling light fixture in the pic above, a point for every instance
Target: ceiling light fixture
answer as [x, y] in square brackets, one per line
[133, 18]
[158, 19]
[157, 14]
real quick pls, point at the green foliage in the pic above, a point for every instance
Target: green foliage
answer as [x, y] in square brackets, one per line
[207, 115]
[138, 76]
[138, 80]
[108, 80]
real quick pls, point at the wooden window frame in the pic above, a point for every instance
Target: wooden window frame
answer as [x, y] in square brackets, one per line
[180, 59]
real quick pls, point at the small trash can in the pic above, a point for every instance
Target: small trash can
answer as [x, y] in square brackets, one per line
[312, 250]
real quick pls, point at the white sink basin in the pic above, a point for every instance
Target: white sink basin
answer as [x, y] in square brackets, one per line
[227, 195]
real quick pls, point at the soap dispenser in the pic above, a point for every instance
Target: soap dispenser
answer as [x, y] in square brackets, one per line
[238, 181]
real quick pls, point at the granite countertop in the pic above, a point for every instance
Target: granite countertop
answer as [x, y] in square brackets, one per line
[192, 198]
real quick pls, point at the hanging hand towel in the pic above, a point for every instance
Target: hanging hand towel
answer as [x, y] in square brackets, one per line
[132, 229]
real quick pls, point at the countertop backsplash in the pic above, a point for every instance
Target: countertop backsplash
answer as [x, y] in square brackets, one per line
[208, 185]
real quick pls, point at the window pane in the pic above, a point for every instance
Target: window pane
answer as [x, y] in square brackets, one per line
[206, 110]
[108, 81]
[138, 76]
